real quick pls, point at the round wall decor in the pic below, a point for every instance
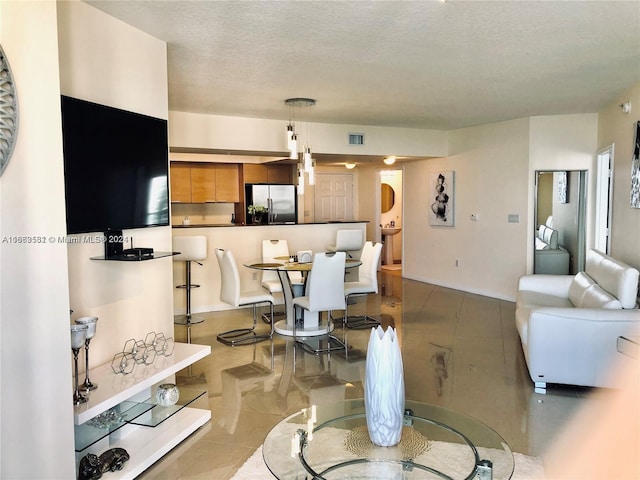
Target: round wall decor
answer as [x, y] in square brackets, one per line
[8, 112]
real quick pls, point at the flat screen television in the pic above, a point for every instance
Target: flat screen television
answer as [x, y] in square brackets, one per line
[115, 168]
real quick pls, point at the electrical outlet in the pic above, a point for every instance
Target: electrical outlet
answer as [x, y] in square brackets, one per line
[254, 275]
[457, 262]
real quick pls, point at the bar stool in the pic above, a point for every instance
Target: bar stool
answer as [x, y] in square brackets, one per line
[192, 249]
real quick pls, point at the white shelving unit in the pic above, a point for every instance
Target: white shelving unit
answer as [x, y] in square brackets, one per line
[145, 445]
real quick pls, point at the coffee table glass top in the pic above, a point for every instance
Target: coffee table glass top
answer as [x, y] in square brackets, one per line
[436, 443]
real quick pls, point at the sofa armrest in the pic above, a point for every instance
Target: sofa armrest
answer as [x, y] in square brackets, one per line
[586, 314]
[557, 285]
[576, 346]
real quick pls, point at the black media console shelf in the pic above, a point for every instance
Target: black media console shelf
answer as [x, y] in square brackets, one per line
[134, 258]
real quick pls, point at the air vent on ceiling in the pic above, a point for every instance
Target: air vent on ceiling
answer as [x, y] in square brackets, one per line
[356, 139]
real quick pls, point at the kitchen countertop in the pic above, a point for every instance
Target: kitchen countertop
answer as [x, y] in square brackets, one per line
[207, 225]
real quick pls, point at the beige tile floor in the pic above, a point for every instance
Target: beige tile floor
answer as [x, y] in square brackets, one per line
[460, 351]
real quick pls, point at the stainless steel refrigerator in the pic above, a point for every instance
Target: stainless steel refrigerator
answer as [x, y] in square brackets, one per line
[280, 200]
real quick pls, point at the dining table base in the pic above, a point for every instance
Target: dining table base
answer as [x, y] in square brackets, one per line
[308, 330]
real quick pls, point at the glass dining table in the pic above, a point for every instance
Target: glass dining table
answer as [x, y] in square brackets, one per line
[308, 322]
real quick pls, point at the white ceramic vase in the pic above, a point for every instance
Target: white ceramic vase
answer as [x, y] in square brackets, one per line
[384, 388]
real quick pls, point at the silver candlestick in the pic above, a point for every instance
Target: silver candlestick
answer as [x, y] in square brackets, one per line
[90, 322]
[78, 336]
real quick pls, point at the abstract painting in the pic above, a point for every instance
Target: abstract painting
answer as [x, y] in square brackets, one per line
[441, 199]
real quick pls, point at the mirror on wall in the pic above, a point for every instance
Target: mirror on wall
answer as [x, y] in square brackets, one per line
[560, 208]
[387, 197]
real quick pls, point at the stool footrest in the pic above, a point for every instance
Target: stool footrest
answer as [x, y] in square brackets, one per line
[193, 285]
[187, 320]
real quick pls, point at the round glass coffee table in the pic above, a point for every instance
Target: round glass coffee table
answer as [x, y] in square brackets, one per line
[331, 442]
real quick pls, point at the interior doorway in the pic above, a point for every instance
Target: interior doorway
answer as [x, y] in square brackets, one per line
[389, 213]
[560, 208]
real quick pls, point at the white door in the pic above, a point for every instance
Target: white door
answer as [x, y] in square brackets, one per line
[333, 199]
[604, 187]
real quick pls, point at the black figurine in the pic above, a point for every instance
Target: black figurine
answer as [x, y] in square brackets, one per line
[113, 459]
[90, 468]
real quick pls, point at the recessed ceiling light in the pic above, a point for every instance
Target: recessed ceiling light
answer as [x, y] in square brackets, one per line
[350, 165]
[389, 160]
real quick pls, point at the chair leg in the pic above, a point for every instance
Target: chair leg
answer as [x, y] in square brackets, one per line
[246, 336]
[360, 322]
[333, 343]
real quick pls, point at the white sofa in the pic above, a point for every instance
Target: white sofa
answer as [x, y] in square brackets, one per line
[550, 257]
[569, 324]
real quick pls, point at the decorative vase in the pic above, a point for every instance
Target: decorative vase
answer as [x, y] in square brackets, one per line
[167, 394]
[257, 218]
[384, 388]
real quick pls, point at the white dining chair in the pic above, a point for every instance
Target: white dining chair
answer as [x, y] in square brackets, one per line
[272, 251]
[367, 283]
[347, 241]
[324, 292]
[232, 293]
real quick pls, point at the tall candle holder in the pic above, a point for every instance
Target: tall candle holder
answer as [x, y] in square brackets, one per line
[90, 322]
[78, 336]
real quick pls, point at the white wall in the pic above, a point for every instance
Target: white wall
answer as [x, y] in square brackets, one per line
[192, 130]
[491, 173]
[107, 61]
[562, 142]
[36, 413]
[616, 127]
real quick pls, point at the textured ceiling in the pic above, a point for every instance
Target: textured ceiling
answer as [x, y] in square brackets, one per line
[422, 64]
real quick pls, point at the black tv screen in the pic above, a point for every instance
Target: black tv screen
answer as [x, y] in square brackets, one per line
[115, 168]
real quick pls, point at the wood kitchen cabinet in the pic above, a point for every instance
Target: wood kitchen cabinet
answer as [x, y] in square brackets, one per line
[180, 179]
[254, 173]
[227, 187]
[204, 182]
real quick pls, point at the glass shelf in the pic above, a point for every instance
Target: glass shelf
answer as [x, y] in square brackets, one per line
[158, 414]
[123, 258]
[147, 414]
[89, 432]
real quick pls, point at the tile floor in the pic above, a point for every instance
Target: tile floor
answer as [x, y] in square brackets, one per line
[460, 351]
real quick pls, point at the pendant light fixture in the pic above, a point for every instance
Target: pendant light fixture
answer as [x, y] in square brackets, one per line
[389, 160]
[292, 136]
[307, 164]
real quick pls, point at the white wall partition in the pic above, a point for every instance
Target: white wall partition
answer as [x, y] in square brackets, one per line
[104, 60]
[36, 414]
[617, 128]
[193, 130]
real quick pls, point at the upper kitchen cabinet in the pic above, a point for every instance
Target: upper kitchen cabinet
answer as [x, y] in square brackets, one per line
[204, 182]
[227, 186]
[180, 179]
[254, 173]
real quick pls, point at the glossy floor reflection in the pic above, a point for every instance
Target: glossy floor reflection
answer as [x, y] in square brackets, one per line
[460, 351]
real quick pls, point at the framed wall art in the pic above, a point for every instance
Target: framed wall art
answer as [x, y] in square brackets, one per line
[634, 196]
[442, 199]
[562, 188]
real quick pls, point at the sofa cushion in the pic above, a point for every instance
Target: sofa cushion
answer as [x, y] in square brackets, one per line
[578, 288]
[531, 299]
[548, 236]
[597, 297]
[617, 278]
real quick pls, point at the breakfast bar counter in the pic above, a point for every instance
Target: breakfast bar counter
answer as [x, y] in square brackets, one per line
[245, 241]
